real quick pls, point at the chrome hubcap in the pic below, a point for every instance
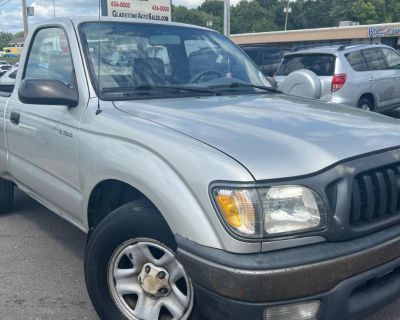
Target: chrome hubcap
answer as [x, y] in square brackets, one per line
[147, 282]
[154, 281]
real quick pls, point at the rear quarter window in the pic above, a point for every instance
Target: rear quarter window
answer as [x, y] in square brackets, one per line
[392, 58]
[375, 59]
[320, 64]
[357, 61]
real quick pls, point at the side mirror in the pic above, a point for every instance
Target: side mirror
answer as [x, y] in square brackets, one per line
[47, 92]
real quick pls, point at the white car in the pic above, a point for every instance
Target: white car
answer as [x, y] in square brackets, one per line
[4, 63]
[9, 77]
[5, 67]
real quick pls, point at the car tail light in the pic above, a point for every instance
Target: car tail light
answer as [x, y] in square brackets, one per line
[338, 81]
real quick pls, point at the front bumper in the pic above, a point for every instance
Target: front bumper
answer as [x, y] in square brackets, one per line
[352, 279]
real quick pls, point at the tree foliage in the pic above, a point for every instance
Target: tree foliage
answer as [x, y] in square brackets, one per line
[5, 38]
[268, 15]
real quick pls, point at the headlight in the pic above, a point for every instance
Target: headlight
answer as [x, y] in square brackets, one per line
[273, 211]
[289, 209]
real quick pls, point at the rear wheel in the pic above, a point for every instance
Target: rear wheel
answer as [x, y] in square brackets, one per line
[131, 269]
[365, 104]
[6, 195]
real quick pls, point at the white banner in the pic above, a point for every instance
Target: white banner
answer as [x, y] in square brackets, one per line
[159, 10]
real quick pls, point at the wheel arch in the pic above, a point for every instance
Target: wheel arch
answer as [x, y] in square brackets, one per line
[108, 195]
[177, 205]
[371, 97]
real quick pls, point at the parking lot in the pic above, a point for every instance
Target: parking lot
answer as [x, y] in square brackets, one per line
[41, 270]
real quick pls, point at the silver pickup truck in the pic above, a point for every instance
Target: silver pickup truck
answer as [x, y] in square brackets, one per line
[205, 193]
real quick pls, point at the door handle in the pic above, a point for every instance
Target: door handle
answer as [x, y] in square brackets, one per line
[15, 116]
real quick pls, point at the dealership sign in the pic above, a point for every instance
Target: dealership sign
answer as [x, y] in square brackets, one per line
[383, 31]
[158, 10]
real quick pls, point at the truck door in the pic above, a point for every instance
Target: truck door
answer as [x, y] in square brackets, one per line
[43, 139]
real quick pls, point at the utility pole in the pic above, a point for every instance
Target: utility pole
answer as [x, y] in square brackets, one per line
[287, 10]
[227, 18]
[25, 17]
[54, 8]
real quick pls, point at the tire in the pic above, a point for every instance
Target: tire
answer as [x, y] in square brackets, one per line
[365, 104]
[6, 195]
[129, 229]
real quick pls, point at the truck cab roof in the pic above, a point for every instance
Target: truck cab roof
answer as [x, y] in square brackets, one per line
[79, 20]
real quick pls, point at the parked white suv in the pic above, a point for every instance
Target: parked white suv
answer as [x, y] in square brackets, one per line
[366, 76]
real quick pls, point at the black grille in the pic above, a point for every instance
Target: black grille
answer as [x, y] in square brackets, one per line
[375, 195]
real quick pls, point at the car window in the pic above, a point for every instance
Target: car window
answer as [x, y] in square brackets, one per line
[357, 61]
[392, 58]
[266, 58]
[320, 64]
[375, 59]
[254, 55]
[50, 57]
[13, 75]
[271, 60]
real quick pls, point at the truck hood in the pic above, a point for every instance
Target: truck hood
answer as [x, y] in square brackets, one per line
[273, 136]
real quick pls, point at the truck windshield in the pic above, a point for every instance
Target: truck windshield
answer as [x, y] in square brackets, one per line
[129, 60]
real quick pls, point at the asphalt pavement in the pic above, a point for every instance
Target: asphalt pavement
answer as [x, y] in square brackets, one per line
[41, 266]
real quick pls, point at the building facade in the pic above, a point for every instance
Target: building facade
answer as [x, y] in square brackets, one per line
[388, 34]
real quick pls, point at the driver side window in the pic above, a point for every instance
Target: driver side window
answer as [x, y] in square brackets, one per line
[50, 57]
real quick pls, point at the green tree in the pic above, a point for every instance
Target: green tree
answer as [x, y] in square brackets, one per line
[213, 7]
[341, 11]
[365, 12]
[196, 17]
[215, 10]
[20, 34]
[268, 15]
[270, 4]
[251, 17]
[392, 10]
[5, 38]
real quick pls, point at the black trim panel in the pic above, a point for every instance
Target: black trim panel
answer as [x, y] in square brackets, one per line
[339, 303]
[270, 280]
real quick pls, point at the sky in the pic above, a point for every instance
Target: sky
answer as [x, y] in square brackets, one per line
[11, 17]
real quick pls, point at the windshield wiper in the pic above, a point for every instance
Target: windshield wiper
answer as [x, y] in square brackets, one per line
[235, 85]
[146, 87]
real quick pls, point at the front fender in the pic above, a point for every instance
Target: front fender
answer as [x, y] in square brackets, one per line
[170, 169]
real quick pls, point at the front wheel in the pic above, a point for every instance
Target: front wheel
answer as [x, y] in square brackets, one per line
[131, 269]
